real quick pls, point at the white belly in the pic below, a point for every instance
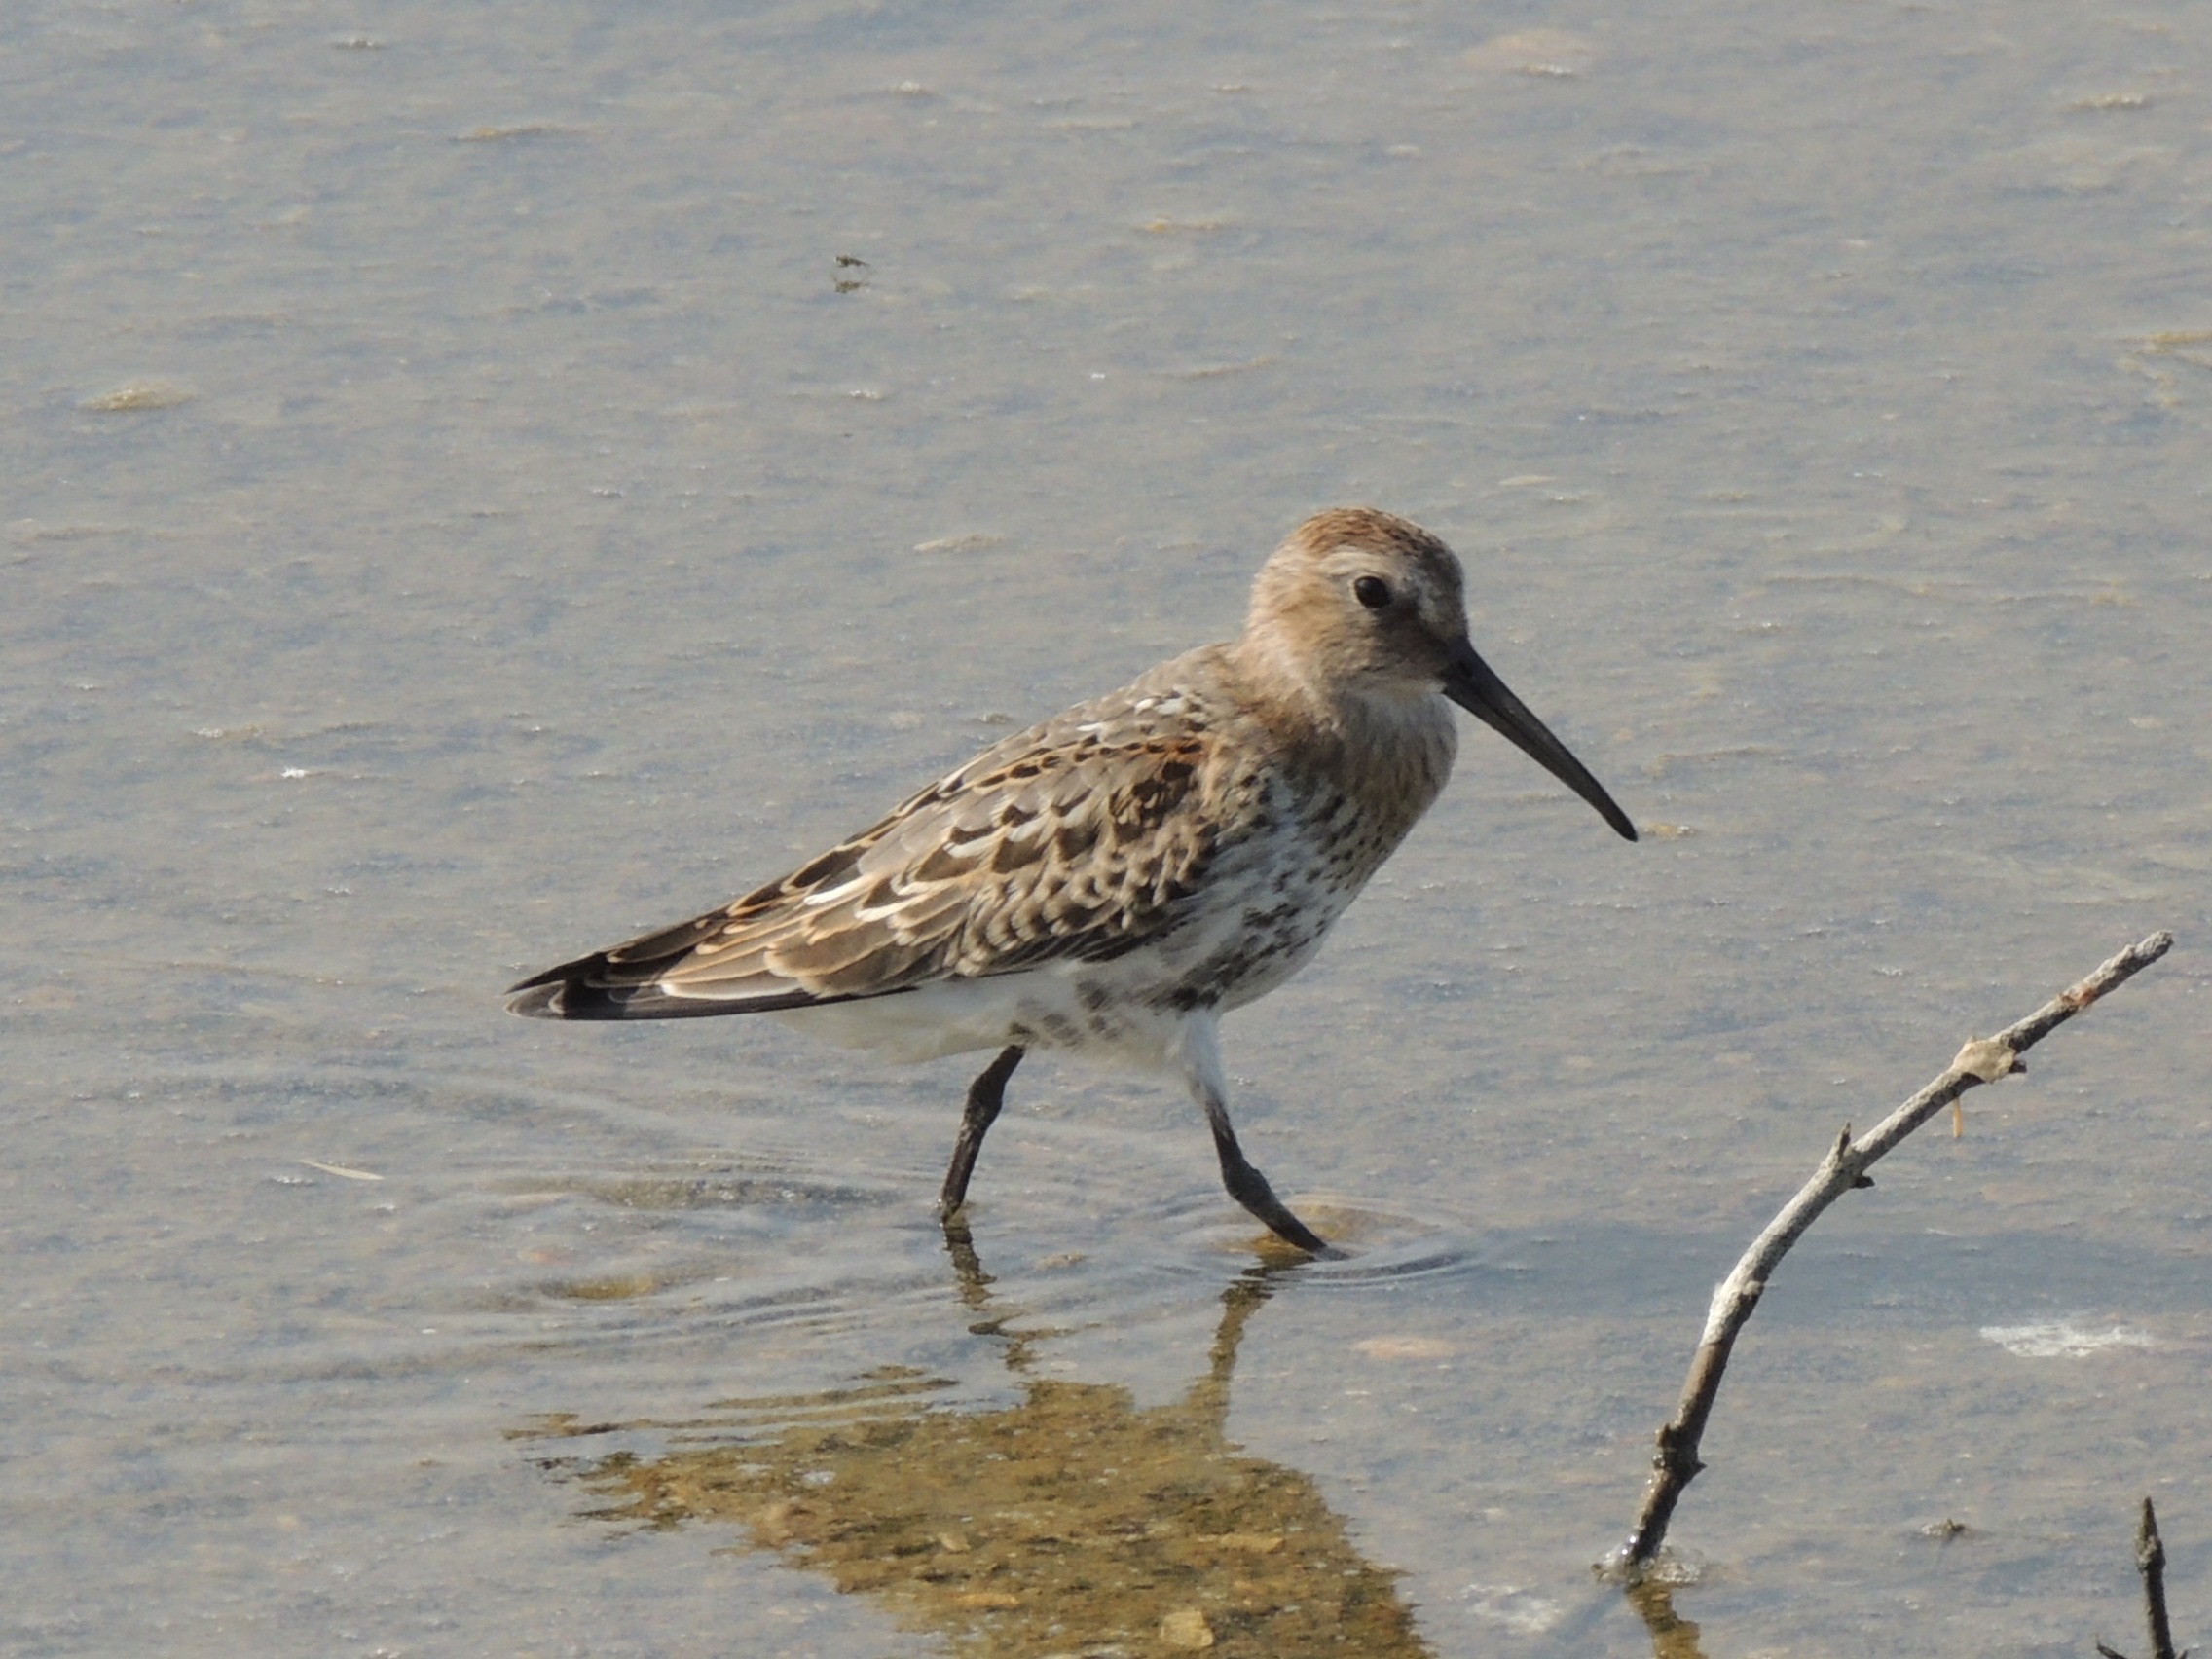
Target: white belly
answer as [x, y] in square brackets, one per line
[1073, 1006]
[1261, 917]
[1124, 1013]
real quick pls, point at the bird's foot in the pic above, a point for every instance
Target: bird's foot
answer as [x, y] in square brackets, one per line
[1249, 1188]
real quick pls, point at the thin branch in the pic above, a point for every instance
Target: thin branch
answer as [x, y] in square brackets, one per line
[2150, 1562]
[1983, 1060]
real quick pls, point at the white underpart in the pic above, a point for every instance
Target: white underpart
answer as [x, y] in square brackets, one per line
[1197, 1056]
[1043, 1008]
[1105, 1011]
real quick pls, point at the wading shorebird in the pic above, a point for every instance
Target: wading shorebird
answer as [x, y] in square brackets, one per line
[1113, 881]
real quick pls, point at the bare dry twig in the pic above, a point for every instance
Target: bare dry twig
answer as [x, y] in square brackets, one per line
[1983, 1060]
[2150, 1562]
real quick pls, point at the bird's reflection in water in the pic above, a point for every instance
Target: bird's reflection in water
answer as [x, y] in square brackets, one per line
[1072, 1523]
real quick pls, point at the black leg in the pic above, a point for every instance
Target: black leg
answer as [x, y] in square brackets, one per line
[1249, 1188]
[1210, 1087]
[985, 1095]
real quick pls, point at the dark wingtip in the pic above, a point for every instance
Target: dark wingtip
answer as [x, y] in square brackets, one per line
[578, 990]
[537, 999]
[566, 992]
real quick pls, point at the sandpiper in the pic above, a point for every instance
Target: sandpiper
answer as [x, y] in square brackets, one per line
[1114, 881]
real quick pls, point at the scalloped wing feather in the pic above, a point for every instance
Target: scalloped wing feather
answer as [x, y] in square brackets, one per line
[1077, 840]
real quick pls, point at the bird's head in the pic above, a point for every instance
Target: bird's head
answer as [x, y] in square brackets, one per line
[1359, 604]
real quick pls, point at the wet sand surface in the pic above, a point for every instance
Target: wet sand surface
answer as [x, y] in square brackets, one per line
[486, 481]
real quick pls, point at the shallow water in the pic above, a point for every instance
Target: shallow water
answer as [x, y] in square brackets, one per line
[457, 518]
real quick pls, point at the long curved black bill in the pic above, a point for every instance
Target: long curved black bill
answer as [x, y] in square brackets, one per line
[1470, 683]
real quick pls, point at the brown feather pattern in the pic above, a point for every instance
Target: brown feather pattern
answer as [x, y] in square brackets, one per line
[1075, 841]
[1115, 879]
[1224, 809]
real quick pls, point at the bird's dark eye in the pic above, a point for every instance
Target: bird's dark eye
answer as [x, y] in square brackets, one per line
[1371, 591]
